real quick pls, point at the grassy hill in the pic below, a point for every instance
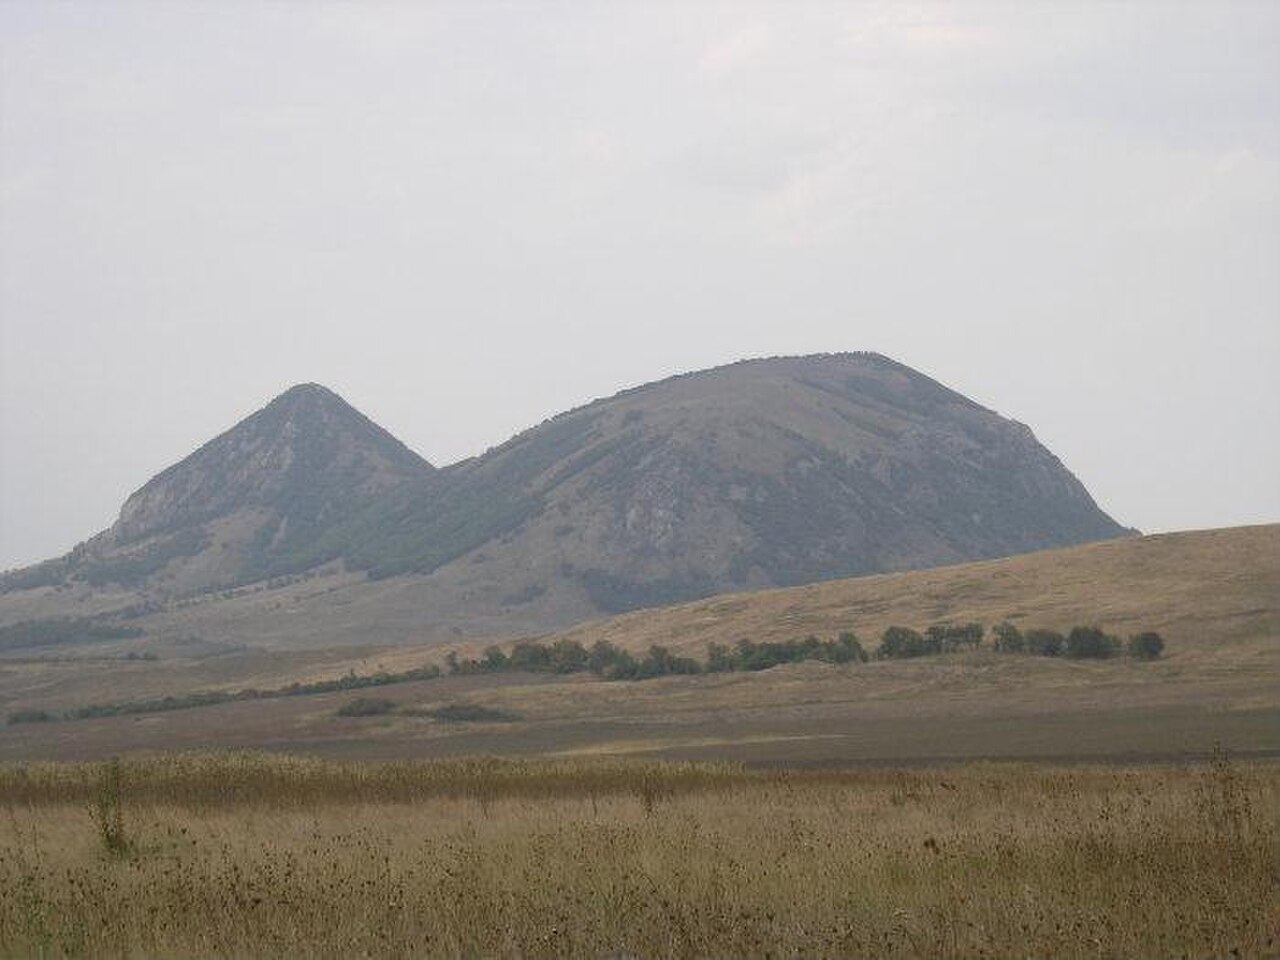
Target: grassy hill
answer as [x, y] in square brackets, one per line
[1215, 595]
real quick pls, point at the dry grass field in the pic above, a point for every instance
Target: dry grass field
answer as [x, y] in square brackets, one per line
[1211, 593]
[250, 856]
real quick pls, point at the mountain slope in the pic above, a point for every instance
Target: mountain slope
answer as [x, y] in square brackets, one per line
[761, 473]
[252, 502]
[758, 474]
[1214, 595]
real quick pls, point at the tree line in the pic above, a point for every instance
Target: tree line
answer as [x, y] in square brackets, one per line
[1079, 643]
[611, 662]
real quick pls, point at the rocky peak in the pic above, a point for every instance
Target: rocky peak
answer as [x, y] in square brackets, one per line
[307, 450]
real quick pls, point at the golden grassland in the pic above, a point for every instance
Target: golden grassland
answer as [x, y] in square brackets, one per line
[1214, 595]
[246, 855]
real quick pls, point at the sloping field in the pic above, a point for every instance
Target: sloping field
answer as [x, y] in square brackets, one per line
[1214, 595]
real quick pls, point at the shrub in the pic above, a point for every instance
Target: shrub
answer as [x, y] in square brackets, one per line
[719, 658]
[899, 642]
[660, 662]
[1008, 638]
[568, 656]
[47, 633]
[31, 716]
[623, 667]
[467, 713]
[847, 649]
[1090, 643]
[366, 707]
[532, 657]
[1044, 643]
[950, 637]
[494, 659]
[1145, 646]
[610, 662]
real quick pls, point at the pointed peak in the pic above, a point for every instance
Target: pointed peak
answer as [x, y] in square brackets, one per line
[310, 387]
[304, 392]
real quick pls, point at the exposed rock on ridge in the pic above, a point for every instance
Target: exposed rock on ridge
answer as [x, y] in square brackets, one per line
[761, 473]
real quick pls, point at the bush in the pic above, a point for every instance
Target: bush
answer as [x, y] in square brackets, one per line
[1044, 643]
[494, 659]
[1090, 643]
[467, 713]
[660, 662]
[1145, 646]
[31, 716]
[568, 656]
[747, 655]
[950, 637]
[1008, 638]
[900, 642]
[531, 657]
[47, 633]
[366, 707]
[719, 658]
[847, 649]
[623, 667]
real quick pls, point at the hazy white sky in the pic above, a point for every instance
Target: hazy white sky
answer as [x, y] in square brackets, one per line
[465, 217]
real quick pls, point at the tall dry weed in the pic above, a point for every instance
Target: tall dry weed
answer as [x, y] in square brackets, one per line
[580, 858]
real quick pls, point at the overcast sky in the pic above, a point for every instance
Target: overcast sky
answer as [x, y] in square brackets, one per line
[467, 217]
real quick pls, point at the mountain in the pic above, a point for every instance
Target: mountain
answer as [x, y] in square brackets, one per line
[250, 503]
[762, 473]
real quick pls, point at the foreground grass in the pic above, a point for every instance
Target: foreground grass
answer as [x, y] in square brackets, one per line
[250, 855]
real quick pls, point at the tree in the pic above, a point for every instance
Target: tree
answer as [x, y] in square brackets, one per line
[847, 649]
[968, 635]
[568, 656]
[719, 658]
[1145, 646]
[1090, 643]
[623, 667]
[899, 642]
[1008, 638]
[661, 661]
[603, 655]
[531, 657]
[1044, 643]
[951, 637]
[366, 707]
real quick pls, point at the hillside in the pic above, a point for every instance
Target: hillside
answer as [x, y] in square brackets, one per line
[1214, 595]
[759, 474]
[763, 473]
[1210, 592]
[253, 502]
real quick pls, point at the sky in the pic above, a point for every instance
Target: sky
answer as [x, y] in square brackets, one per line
[467, 217]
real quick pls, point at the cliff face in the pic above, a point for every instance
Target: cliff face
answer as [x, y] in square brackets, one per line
[762, 473]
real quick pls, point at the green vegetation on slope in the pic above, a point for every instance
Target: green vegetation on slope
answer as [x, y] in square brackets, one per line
[48, 633]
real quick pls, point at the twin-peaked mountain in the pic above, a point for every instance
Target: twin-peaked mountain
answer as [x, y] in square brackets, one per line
[761, 473]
